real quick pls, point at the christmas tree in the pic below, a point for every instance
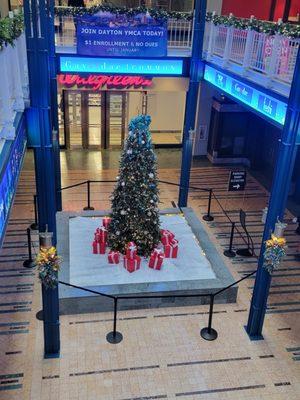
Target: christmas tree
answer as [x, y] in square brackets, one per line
[135, 214]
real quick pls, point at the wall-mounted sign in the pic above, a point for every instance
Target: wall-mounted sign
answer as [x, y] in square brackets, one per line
[109, 35]
[98, 82]
[261, 102]
[166, 67]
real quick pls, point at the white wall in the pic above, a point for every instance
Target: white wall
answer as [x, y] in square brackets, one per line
[205, 98]
[166, 110]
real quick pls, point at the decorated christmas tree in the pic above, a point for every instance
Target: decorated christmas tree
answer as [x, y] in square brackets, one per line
[135, 214]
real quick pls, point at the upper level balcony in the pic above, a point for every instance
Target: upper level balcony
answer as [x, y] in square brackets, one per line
[179, 34]
[237, 45]
[264, 58]
[14, 93]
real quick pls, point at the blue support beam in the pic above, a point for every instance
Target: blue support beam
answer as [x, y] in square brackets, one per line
[278, 199]
[39, 35]
[196, 74]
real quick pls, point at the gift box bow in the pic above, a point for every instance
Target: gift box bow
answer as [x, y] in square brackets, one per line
[166, 236]
[131, 249]
[114, 256]
[173, 243]
[157, 252]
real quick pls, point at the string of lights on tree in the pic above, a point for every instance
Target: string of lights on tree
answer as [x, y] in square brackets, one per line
[10, 29]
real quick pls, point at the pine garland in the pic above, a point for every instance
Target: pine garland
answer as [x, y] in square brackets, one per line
[267, 27]
[11, 29]
[156, 13]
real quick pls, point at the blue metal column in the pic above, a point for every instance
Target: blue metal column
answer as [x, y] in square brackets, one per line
[54, 106]
[39, 127]
[278, 198]
[196, 74]
[39, 116]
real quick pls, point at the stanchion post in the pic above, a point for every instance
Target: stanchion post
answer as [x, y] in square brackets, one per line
[114, 336]
[230, 253]
[208, 216]
[35, 225]
[209, 333]
[29, 263]
[88, 197]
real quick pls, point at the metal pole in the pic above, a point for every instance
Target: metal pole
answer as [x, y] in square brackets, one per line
[29, 263]
[230, 253]
[278, 197]
[196, 74]
[114, 336]
[208, 217]
[35, 225]
[88, 197]
[209, 333]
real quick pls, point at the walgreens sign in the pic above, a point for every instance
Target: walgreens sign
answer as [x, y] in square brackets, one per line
[98, 82]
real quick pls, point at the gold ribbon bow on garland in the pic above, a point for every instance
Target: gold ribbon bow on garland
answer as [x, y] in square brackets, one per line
[274, 253]
[48, 263]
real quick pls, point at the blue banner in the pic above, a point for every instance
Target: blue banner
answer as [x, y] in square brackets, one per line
[110, 35]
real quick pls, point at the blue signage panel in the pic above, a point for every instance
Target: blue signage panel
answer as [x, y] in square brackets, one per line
[114, 35]
[167, 67]
[254, 98]
[9, 176]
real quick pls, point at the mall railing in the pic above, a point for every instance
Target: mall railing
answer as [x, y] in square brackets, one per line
[179, 32]
[14, 88]
[267, 59]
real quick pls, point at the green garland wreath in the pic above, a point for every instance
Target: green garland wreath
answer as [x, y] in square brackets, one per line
[130, 12]
[267, 27]
[11, 29]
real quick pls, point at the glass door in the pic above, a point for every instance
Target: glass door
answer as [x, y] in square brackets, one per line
[95, 120]
[115, 118]
[73, 120]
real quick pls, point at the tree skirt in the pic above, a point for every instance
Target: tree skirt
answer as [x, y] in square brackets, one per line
[88, 269]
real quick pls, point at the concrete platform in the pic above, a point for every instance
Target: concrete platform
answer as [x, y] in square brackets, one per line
[198, 268]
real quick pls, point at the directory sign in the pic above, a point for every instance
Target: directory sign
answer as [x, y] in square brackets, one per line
[119, 35]
[261, 102]
[237, 181]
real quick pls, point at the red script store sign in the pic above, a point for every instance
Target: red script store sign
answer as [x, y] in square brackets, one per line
[97, 82]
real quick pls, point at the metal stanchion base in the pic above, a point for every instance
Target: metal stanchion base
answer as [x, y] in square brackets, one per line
[209, 334]
[88, 208]
[28, 264]
[208, 217]
[229, 253]
[244, 253]
[114, 337]
[40, 315]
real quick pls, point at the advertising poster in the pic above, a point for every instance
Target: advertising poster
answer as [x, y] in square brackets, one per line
[111, 35]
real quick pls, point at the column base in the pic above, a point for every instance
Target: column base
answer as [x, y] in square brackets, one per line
[254, 337]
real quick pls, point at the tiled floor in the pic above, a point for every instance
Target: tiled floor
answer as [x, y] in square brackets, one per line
[162, 355]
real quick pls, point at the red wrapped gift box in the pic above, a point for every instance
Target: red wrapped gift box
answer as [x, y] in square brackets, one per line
[132, 264]
[99, 247]
[101, 234]
[166, 236]
[106, 221]
[113, 257]
[155, 261]
[171, 250]
[131, 250]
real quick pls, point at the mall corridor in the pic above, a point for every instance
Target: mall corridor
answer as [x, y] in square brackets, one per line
[162, 355]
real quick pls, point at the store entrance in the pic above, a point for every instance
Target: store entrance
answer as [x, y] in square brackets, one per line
[94, 120]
